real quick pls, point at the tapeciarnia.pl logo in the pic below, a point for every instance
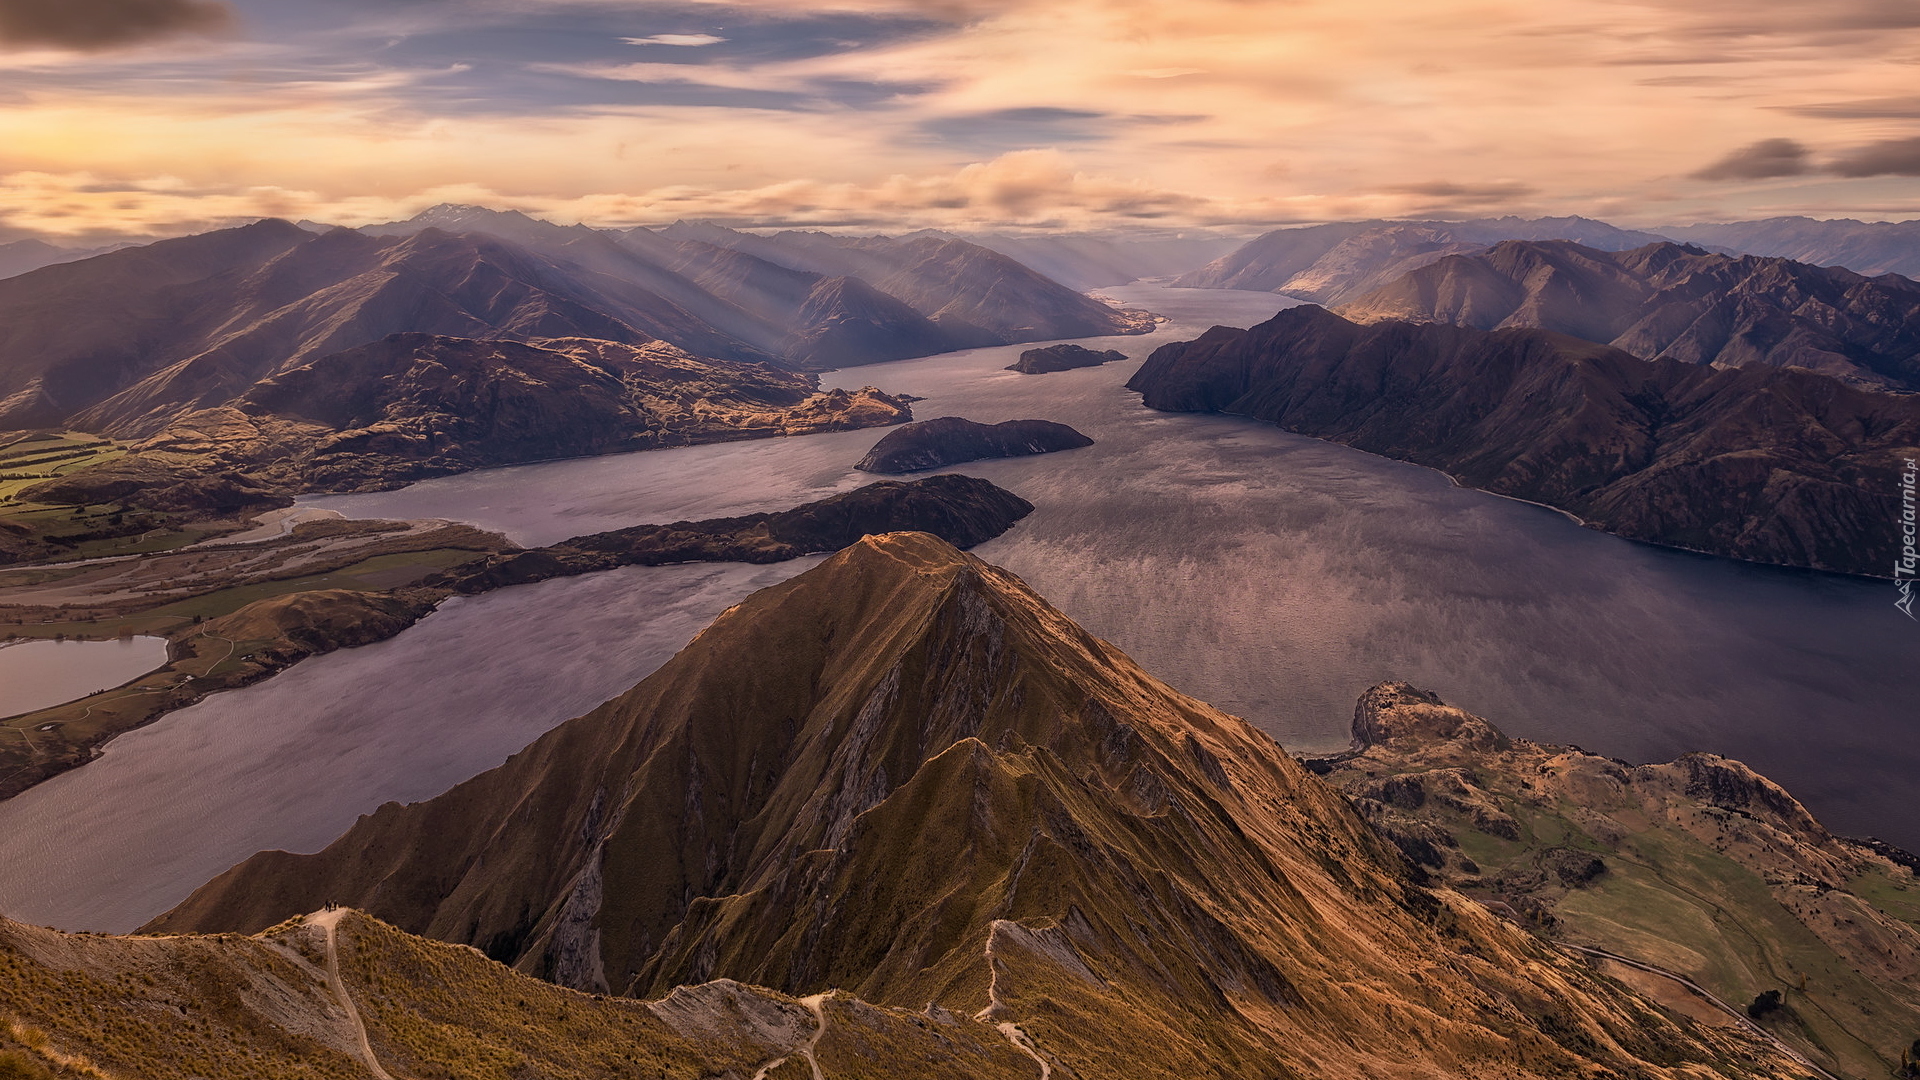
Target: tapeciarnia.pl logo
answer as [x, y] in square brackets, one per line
[1909, 560]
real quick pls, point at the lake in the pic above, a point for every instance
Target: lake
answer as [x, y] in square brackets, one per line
[1271, 574]
[38, 674]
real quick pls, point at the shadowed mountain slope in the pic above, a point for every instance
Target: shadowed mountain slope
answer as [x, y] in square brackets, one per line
[1759, 463]
[929, 786]
[123, 342]
[1678, 302]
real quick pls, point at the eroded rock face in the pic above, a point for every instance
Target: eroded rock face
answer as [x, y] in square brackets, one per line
[1063, 358]
[1772, 465]
[903, 775]
[950, 440]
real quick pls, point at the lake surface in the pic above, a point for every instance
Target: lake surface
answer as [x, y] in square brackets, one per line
[1271, 574]
[38, 674]
[291, 762]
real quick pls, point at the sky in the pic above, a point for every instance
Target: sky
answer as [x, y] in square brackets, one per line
[124, 118]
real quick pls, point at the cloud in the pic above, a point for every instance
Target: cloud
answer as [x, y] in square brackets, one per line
[688, 40]
[95, 25]
[1447, 189]
[1759, 161]
[1886, 108]
[1891, 157]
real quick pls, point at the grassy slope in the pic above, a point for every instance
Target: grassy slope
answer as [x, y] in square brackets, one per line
[230, 1007]
[1739, 900]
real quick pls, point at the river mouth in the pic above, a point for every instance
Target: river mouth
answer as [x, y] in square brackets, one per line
[37, 675]
[1273, 575]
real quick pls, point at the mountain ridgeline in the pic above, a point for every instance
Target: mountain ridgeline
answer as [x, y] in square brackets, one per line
[1760, 463]
[124, 342]
[931, 787]
[1329, 264]
[1681, 303]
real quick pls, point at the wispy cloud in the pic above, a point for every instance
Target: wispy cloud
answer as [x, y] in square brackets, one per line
[1759, 161]
[684, 40]
[876, 110]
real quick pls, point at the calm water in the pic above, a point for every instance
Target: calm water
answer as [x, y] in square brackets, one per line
[37, 674]
[291, 762]
[1271, 574]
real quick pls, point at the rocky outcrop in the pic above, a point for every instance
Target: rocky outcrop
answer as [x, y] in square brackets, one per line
[903, 775]
[416, 405]
[950, 440]
[1062, 358]
[1607, 855]
[961, 510]
[1771, 465]
[1680, 303]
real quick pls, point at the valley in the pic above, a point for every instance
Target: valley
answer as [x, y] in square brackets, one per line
[1242, 560]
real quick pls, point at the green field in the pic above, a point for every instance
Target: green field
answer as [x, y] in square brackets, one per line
[40, 456]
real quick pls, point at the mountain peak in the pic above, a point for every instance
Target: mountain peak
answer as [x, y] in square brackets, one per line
[904, 776]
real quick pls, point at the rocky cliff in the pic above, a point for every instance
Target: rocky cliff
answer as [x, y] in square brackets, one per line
[928, 786]
[1772, 465]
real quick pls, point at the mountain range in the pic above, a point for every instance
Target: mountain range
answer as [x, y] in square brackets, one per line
[1672, 301]
[933, 792]
[1328, 264]
[122, 343]
[1865, 247]
[1762, 463]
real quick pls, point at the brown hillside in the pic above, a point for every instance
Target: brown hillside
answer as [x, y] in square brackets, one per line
[904, 775]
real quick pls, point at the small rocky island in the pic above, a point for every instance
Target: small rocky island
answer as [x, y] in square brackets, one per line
[950, 440]
[1063, 358]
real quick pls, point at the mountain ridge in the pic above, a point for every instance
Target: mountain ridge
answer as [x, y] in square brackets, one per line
[1675, 301]
[1768, 464]
[1134, 879]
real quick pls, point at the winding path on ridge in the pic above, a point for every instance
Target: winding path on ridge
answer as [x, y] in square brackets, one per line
[330, 922]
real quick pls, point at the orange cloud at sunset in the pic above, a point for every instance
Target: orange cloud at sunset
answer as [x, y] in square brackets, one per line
[1075, 113]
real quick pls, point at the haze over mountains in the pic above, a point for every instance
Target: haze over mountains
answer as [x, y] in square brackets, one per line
[1330, 263]
[124, 342]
